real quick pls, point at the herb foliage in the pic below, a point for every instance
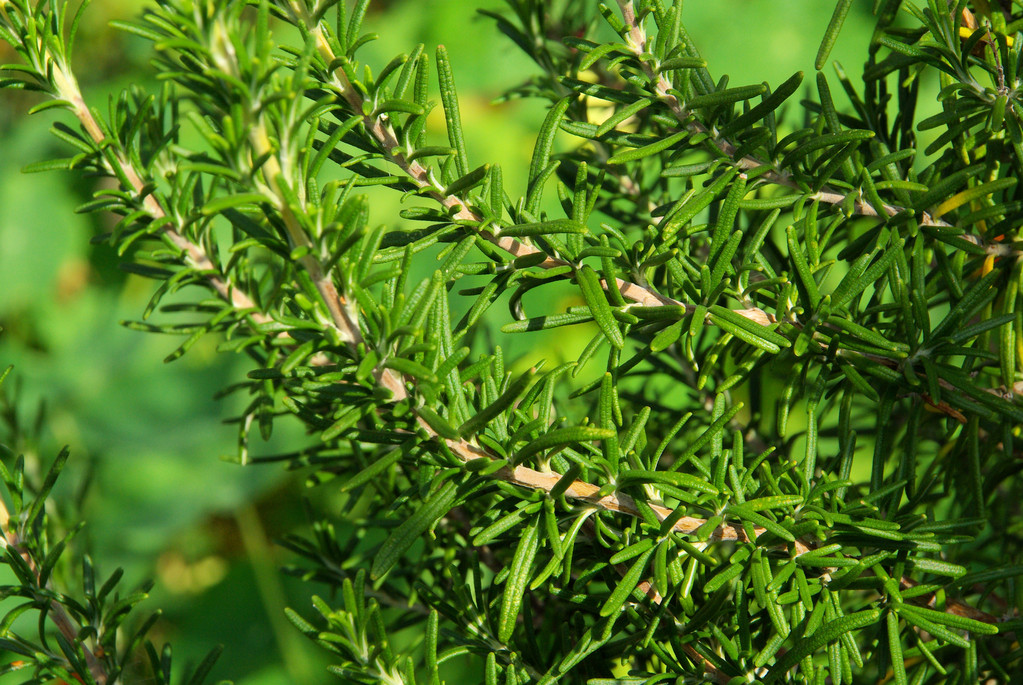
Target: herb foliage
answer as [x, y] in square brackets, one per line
[788, 452]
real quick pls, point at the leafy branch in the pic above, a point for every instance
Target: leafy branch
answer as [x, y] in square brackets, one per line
[90, 635]
[744, 337]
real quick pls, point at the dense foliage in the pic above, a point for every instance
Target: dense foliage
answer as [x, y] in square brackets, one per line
[788, 452]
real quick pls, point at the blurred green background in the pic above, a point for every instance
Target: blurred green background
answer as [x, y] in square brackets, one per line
[163, 502]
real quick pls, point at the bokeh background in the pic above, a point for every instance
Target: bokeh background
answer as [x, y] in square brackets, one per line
[151, 452]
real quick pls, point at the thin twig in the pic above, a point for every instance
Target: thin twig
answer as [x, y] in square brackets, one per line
[57, 614]
[194, 255]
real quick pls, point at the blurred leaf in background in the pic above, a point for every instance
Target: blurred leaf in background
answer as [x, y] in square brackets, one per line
[788, 36]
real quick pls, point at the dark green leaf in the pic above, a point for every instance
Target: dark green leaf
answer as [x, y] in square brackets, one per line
[412, 528]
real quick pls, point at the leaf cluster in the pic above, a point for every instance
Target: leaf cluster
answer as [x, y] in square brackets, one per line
[58, 621]
[787, 451]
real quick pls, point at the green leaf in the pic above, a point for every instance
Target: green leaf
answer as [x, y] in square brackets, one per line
[398, 105]
[632, 551]
[667, 337]
[48, 165]
[598, 52]
[913, 617]
[622, 114]
[769, 104]
[233, 201]
[563, 437]
[895, 653]
[452, 118]
[410, 368]
[647, 150]
[541, 323]
[687, 208]
[864, 334]
[202, 671]
[682, 480]
[398, 542]
[470, 180]
[954, 621]
[624, 588]
[542, 228]
[545, 140]
[723, 576]
[593, 293]
[354, 25]
[518, 580]
[972, 194]
[972, 300]
[437, 423]
[854, 282]
[727, 96]
[505, 523]
[828, 632]
[745, 513]
[38, 504]
[432, 634]
[827, 140]
[773, 502]
[498, 406]
[831, 34]
[989, 576]
[798, 257]
[747, 330]
[676, 63]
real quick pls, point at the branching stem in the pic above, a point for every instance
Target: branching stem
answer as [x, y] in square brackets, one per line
[56, 612]
[662, 87]
[194, 255]
[579, 490]
[383, 132]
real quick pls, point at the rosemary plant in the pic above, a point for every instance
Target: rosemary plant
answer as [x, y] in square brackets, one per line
[788, 453]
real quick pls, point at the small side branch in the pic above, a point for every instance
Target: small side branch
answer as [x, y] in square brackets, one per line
[56, 612]
[381, 129]
[662, 88]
